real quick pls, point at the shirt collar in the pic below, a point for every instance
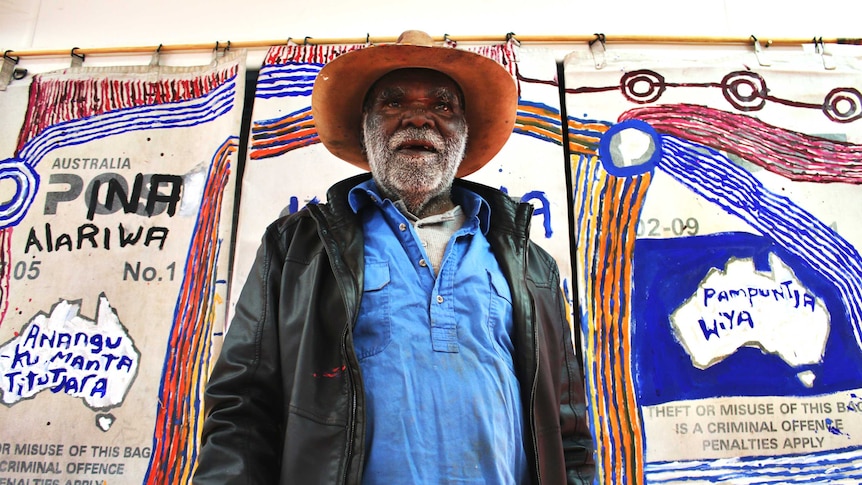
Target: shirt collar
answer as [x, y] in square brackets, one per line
[471, 203]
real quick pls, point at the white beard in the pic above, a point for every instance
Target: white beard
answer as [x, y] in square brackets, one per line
[414, 178]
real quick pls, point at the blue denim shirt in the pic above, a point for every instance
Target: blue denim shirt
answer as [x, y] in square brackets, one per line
[435, 353]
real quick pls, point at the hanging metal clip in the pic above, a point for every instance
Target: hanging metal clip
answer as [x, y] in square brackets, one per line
[8, 72]
[826, 57]
[218, 54]
[77, 59]
[510, 37]
[156, 58]
[514, 44]
[758, 52]
[598, 56]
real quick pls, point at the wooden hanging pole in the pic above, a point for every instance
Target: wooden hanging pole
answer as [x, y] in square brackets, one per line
[524, 39]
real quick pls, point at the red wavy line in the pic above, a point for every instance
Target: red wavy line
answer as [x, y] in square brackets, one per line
[188, 343]
[794, 155]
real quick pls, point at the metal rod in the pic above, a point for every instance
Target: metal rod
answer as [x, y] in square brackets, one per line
[558, 39]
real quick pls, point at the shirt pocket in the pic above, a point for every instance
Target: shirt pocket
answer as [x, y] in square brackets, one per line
[373, 330]
[500, 314]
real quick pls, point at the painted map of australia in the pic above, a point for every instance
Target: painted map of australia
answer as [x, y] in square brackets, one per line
[740, 306]
[66, 353]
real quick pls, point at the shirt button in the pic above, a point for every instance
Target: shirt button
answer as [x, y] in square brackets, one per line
[402, 226]
[439, 299]
[422, 263]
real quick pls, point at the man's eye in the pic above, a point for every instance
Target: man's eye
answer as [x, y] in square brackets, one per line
[441, 106]
[393, 104]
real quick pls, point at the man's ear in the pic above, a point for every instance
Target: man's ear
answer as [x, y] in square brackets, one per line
[362, 133]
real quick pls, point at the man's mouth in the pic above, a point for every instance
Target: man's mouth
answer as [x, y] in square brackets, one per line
[416, 142]
[416, 147]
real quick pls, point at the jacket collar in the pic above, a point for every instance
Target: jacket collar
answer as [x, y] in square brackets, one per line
[471, 203]
[506, 214]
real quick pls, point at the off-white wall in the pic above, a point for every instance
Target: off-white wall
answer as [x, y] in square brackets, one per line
[63, 24]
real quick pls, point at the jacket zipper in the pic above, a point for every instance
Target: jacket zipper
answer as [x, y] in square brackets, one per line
[535, 340]
[351, 424]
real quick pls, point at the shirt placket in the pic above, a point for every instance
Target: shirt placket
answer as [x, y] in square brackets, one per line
[440, 291]
[444, 326]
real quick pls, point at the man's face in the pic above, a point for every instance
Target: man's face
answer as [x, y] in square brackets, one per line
[415, 134]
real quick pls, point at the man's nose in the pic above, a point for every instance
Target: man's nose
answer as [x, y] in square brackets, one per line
[417, 116]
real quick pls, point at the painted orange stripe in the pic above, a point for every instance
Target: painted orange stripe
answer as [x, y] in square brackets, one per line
[537, 109]
[259, 135]
[172, 435]
[622, 370]
[529, 120]
[634, 416]
[285, 138]
[611, 327]
[542, 132]
[258, 126]
[607, 442]
[589, 257]
[609, 324]
[588, 126]
[584, 137]
[275, 151]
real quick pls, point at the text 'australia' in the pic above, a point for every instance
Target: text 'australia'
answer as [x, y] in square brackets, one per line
[92, 163]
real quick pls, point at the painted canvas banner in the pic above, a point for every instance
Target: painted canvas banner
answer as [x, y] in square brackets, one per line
[117, 192]
[719, 270]
[288, 168]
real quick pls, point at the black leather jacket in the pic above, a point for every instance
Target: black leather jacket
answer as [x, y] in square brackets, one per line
[285, 401]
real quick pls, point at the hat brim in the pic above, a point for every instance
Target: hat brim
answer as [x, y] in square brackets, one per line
[490, 96]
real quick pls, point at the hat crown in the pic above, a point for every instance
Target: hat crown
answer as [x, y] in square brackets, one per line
[415, 37]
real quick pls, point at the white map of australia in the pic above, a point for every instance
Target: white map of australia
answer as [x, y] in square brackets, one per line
[739, 306]
[66, 353]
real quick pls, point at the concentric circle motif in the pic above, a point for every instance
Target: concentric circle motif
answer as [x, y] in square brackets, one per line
[26, 182]
[843, 105]
[745, 90]
[630, 148]
[642, 86]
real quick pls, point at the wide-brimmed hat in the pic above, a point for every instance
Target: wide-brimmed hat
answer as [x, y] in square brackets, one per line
[490, 95]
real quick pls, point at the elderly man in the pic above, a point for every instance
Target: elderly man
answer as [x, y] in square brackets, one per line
[407, 331]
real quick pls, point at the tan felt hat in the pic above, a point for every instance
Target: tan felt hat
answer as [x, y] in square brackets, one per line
[490, 95]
